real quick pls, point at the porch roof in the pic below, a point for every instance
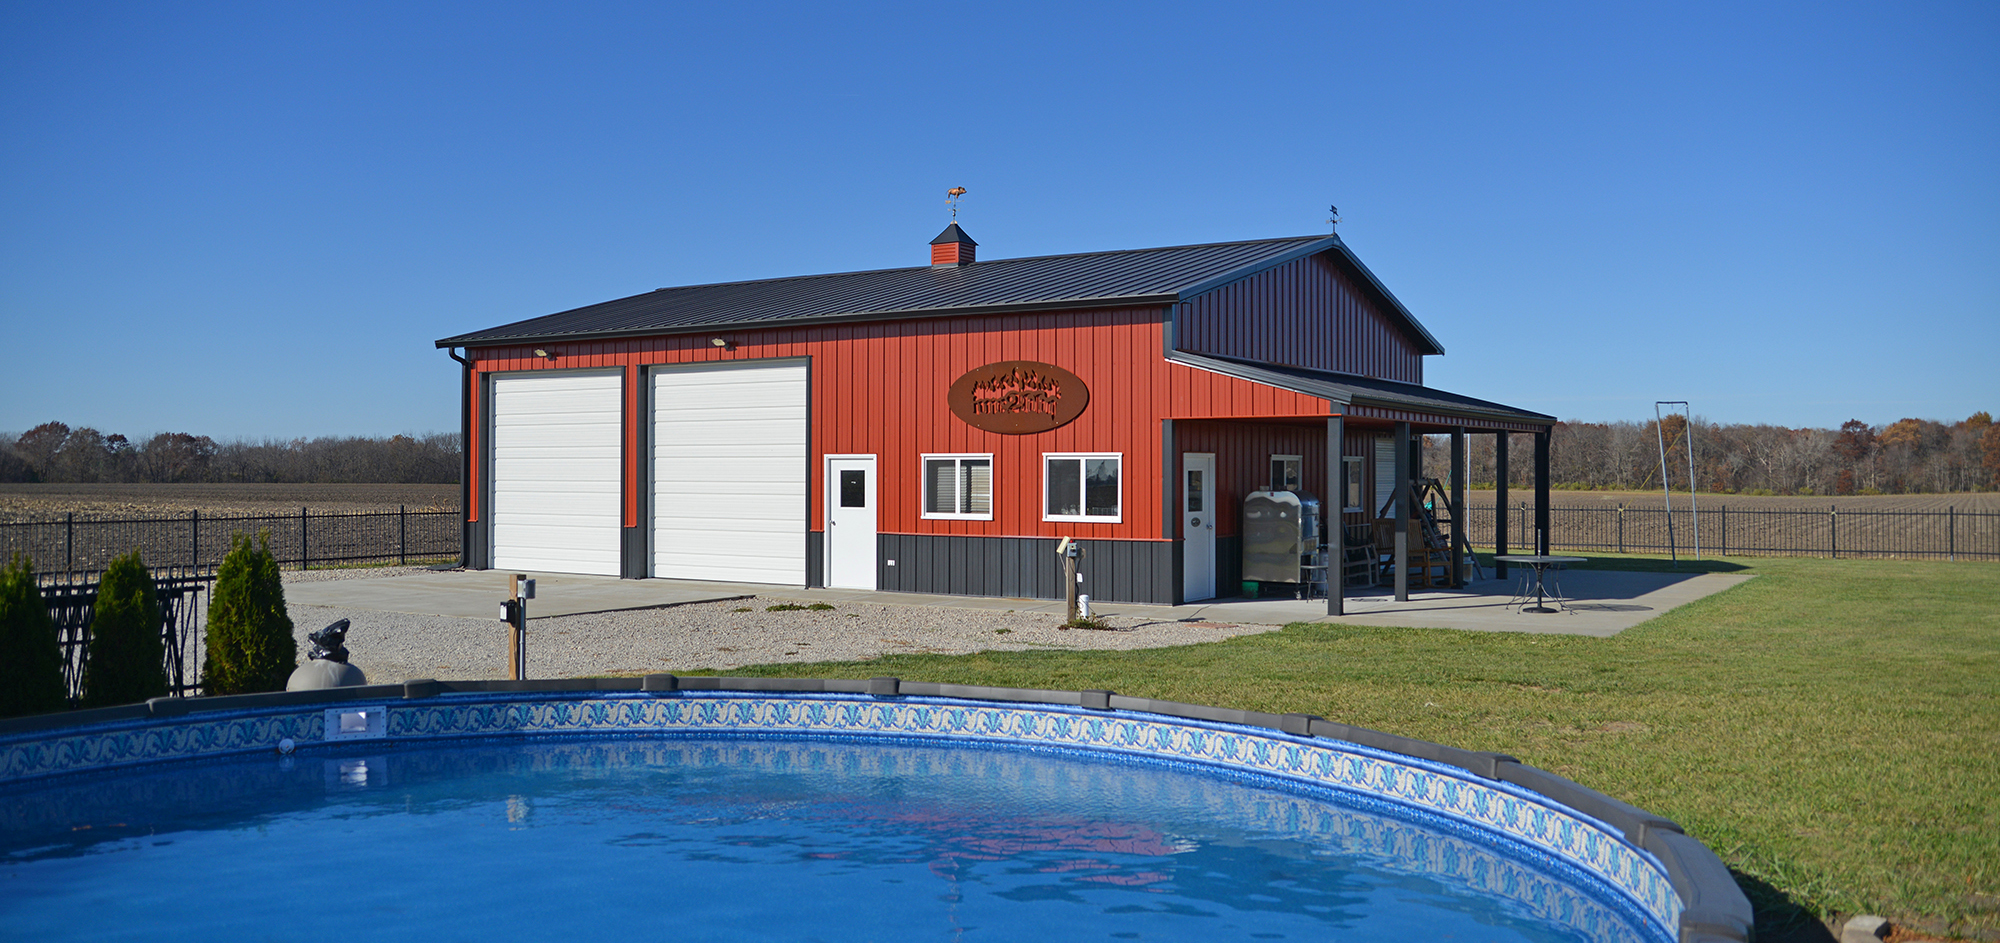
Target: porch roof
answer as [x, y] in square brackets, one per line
[1369, 398]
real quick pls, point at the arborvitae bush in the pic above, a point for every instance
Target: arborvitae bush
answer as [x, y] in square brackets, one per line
[249, 642]
[31, 661]
[127, 657]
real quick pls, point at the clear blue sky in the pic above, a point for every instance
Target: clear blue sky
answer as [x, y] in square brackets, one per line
[251, 220]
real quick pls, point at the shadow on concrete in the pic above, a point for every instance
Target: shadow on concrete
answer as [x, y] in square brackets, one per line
[1588, 585]
[1639, 564]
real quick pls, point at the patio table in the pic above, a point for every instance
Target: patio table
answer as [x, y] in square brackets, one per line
[1541, 563]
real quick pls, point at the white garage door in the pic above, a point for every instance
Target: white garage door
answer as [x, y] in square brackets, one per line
[729, 473]
[555, 472]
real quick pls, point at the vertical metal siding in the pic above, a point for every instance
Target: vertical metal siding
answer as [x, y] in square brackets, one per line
[1304, 313]
[1243, 453]
[1023, 567]
[880, 389]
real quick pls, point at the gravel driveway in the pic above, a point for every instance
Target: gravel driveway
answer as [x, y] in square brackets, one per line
[393, 646]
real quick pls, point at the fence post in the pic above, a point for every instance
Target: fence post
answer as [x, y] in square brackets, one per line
[1725, 529]
[305, 556]
[403, 535]
[1833, 530]
[69, 544]
[1621, 527]
[194, 541]
[1951, 532]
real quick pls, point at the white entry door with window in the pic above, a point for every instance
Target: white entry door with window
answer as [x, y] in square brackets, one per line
[850, 521]
[1198, 525]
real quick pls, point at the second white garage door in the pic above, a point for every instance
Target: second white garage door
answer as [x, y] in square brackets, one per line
[729, 472]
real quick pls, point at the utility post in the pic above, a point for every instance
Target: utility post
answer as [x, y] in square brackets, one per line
[1071, 552]
[514, 612]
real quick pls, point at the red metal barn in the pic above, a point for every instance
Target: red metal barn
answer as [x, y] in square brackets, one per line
[938, 429]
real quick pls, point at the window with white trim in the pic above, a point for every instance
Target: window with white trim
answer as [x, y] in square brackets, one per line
[1083, 486]
[1351, 484]
[1285, 472]
[958, 487]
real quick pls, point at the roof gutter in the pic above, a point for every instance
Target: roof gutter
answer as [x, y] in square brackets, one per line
[465, 457]
[910, 314]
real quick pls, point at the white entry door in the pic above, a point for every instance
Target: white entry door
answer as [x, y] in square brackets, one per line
[1198, 525]
[850, 522]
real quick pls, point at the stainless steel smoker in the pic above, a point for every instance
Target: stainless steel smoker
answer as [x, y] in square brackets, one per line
[1282, 540]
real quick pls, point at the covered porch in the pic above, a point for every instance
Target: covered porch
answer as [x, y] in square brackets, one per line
[1364, 458]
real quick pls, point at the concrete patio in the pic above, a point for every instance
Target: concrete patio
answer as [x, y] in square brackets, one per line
[1599, 603]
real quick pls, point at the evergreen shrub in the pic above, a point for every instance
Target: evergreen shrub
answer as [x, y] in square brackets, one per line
[127, 661]
[31, 660]
[249, 641]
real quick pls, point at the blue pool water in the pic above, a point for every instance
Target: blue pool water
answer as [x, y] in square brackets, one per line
[753, 839]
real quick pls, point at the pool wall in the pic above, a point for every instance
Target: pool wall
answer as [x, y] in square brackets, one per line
[1672, 879]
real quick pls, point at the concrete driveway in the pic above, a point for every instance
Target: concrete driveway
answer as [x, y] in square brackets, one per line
[1598, 602]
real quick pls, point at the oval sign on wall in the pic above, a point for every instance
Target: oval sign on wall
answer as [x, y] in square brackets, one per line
[1018, 397]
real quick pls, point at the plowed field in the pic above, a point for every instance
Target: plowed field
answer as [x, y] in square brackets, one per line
[1921, 526]
[1980, 501]
[39, 502]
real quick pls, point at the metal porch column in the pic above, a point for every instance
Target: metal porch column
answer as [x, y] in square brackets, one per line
[1500, 503]
[1336, 529]
[1542, 537]
[1402, 558]
[1457, 506]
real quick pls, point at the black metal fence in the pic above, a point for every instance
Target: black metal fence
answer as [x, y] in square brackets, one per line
[76, 545]
[183, 596]
[1949, 534]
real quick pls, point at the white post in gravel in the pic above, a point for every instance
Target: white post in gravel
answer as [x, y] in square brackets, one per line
[514, 612]
[1070, 551]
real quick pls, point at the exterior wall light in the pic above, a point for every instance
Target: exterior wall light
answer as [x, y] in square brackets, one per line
[544, 353]
[722, 342]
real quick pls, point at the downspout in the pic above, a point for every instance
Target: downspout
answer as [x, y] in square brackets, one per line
[465, 459]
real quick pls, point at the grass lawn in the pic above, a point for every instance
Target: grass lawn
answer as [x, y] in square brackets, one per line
[1831, 728]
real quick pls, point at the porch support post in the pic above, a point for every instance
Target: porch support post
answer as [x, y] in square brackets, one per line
[465, 534]
[1170, 511]
[1458, 506]
[1542, 492]
[1336, 529]
[1500, 503]
[1402, 558]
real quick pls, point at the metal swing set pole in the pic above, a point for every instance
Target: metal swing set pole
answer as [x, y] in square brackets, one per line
[1694, 510]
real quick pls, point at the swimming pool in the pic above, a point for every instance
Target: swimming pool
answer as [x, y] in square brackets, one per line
[775, 809]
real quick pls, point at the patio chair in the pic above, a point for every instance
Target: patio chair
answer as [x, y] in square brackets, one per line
[1358, 559]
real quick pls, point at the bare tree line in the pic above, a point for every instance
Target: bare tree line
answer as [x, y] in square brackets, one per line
[54, 452]
[1909, 456]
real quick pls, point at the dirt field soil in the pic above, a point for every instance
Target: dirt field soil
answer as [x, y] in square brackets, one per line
[38, 502]
[1976, 501]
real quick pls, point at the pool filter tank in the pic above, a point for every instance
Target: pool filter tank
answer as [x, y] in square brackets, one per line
[1281, 536]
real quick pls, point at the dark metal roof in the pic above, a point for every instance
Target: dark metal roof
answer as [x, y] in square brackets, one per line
[1086, 280]
[1362, 391]
[953, 234]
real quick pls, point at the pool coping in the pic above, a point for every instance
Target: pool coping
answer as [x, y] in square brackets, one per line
[1713, 907]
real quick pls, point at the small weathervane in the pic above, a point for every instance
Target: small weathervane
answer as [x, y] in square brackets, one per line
[1332, 217]
[952, 196]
